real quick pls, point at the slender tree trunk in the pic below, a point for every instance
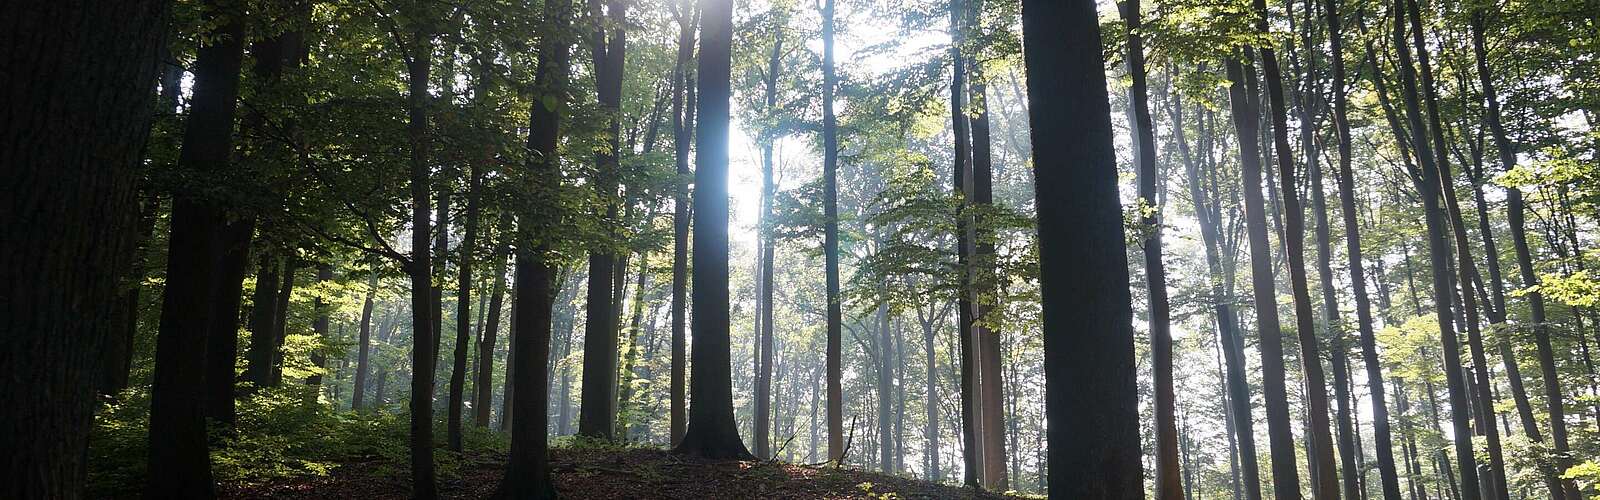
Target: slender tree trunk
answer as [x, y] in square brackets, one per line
[73, 132]
[1169, 481]
[986, 330]
[830, 239]
[490, 332]
[179, 463]
[418, 64]
[319, 327]
[763, 392]
[682, 126]
[364, 346]
[1285, 476]
[932, 403]
[1428, 187]
[1090, 389]
[280, 321]
[458, 372]
[961, 181]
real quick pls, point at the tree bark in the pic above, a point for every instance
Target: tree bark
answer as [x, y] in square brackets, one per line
[419, 54]
[1090, 390]
[598, 408]
[763, 393]
[364, 346]
[179, 462]
[72, 132]
[682, 127]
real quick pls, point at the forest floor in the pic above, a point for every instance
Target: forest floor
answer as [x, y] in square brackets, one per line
[631, 473]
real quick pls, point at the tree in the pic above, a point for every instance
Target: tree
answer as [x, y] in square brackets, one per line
[527, 470]
[987, 325]
[1088, 334]
[418, 51]
[69, 235]
[763, 390]
[1383, 443]
[598, 411]
[712, 432]
[180, 463]
[364, 345]
[682, 129]
[830, 238]
[1169, 482]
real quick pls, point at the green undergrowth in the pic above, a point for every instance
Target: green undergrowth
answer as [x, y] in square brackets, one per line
[280, 433]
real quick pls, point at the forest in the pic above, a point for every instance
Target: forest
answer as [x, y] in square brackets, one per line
[1178, 249]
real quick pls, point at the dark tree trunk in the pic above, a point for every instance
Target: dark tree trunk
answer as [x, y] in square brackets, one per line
[1285, 476]
[527, 470]
[458, 372]
[1381, 435]
[712, 432]
[598, 409]
[961, 180]
[932, 388]
[423, 352]
[1090, 390]
[1169, 481]
[1325, 483]
[763, 392]
[179, 461]
[263, 314]
[222, 342]
[364, 347]
[682, 127]
[1428, 187]
[64, 266]
[830, 239]
[280, 320]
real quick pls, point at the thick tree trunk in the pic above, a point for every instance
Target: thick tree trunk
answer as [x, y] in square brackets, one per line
[1090, 390]
[986, 329]
[712, 432]
[961, 180]
[179, 461]
[263, 314]
[1169, 482]
[71, 131]
[598, 409]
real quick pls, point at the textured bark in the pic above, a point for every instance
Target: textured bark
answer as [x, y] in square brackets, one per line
[712, 432]
[1285, 476]
[1090, 390]
[179, 460]
[991, 386]
[77, 114]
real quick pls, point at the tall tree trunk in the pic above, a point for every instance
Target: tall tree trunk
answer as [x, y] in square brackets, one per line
[712, 432]
[598, 409]
[263, 315]
[961, 181]
[1090, 389]
[73, 132]
[830, 238]
[527, 469]
[1507, 152]
[763, 392]
[1325, 481]
[458, 372]
[682, 126]
[179, 463]
[1381, 435]
[1285, 476]
[419, 59]
[1169, 481]
[932, 388]
[986, 329]
[364, 346]
[1428, 187]
[280, 320]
